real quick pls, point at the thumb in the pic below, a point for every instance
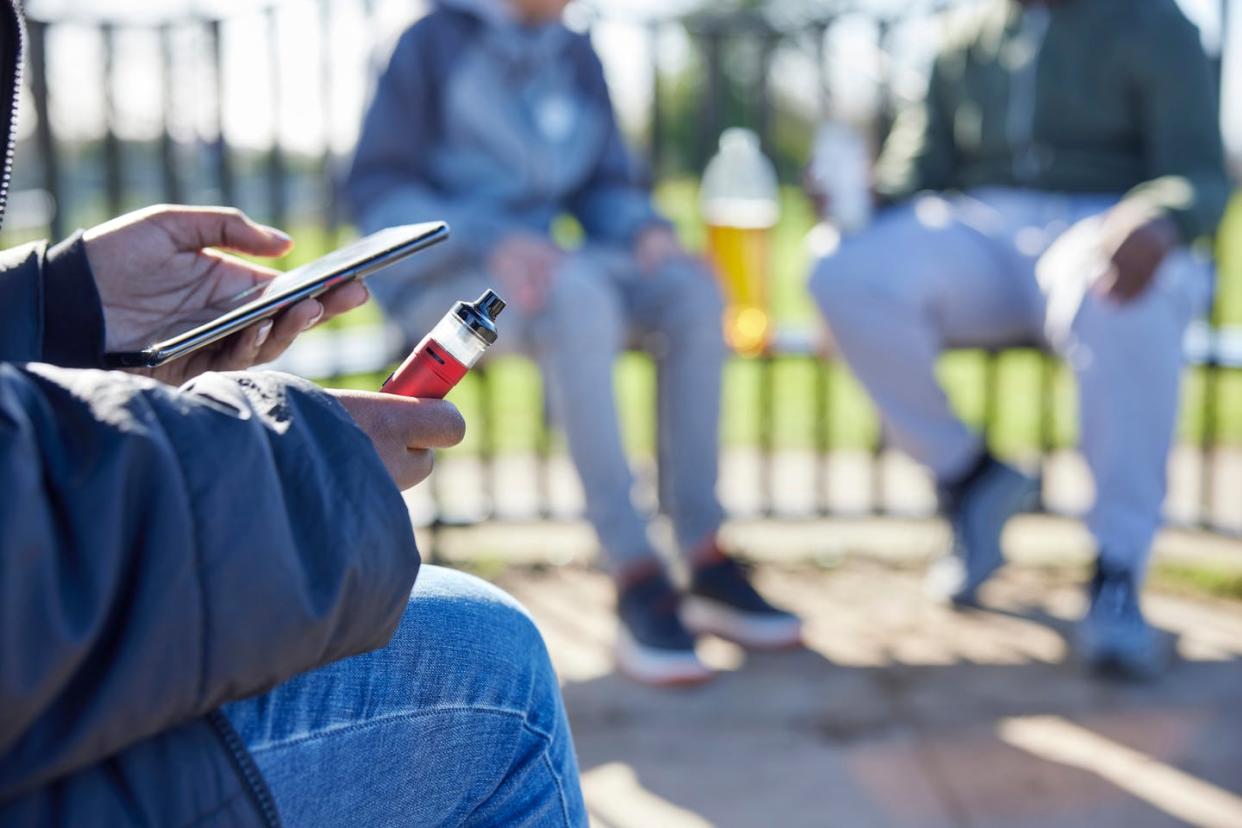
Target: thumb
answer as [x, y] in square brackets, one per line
[194, 228]
[416, 423]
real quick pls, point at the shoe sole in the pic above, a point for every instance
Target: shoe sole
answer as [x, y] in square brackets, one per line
[658, 668]
[703, 616]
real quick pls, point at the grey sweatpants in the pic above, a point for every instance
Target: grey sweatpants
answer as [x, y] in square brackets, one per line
[600, 302]
[998, 266]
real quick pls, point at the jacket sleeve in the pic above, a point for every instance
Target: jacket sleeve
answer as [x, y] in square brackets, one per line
[611, 205]
[387, 183]
[1180, 123]
[49, 306]
[165, 551]
[920, 153]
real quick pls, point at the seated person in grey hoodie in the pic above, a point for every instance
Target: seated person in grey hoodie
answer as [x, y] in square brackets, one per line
[494, 116]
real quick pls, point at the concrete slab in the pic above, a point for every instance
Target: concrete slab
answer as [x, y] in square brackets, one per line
[901, 713]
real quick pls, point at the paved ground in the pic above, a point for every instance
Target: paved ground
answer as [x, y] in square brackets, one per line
[903, 714]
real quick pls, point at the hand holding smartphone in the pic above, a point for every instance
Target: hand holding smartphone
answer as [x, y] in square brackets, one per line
[355, 261]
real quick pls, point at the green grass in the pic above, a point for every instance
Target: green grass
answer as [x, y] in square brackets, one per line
[1199, 579]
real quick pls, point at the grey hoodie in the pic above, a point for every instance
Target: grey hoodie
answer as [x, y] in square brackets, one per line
[495, 127]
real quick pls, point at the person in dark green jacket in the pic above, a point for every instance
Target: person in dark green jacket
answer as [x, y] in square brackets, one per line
[1052, 184]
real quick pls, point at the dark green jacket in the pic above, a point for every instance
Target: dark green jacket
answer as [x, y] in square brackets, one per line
[1085, 96]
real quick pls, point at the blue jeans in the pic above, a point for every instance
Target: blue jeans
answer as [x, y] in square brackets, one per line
[458, 721]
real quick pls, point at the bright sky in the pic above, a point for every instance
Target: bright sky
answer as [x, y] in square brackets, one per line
[250, 120]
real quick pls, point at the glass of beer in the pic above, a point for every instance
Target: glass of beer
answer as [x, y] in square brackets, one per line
[738, 201]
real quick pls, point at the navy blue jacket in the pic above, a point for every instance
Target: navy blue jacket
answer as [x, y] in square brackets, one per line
[163, 551]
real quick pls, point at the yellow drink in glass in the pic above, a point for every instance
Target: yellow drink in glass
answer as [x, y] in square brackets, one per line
[742, 257]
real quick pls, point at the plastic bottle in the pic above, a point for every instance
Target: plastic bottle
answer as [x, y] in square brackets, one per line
[452, 348]
[739, 203]
[841, 170]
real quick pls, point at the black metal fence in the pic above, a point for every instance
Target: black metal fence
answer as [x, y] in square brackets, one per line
[200, 163]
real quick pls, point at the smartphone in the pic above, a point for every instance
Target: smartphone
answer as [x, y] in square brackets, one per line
[362, 258]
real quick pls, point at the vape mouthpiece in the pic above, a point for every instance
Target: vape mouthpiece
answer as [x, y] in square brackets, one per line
[480, 315]
[489, 304]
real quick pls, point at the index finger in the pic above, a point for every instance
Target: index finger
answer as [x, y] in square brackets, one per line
[194, 228]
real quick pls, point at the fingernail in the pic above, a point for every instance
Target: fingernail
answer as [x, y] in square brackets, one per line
[265, 330]
[278, 234]
[314, 320]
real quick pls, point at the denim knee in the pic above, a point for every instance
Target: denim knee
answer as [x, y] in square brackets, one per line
[492, 653]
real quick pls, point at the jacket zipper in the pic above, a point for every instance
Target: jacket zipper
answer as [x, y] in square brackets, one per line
[244, 763]
[10, 140]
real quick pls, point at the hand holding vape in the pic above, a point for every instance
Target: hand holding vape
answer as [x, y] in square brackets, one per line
[452, 348]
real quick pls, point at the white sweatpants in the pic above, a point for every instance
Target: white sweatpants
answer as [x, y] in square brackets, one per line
[999, 266]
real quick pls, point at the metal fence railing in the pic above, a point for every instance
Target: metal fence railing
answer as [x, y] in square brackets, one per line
[67, 178]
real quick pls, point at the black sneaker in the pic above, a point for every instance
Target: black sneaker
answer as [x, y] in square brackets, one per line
[721, 601]
[653, 646]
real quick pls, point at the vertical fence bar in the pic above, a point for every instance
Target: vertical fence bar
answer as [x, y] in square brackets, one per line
[330, 216]
[823, 434]
[885, 112]
[824, 364]
[1047, 417]
[824, 90]
[44, 138]
[709, 124]
[656, 127]
[219, 149]
[879, 494]
[1208, 434]
[991, 373]
[113, 183]
[169, 175]
[486, 426]
[765, 364]
[543, 458]
[277, 203]
[768, 40]
[879, 483]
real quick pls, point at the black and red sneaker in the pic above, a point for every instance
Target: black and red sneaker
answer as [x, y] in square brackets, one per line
[653, 645]
[723, 602]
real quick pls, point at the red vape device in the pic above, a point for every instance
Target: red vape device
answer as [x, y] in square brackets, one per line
[449, 351]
